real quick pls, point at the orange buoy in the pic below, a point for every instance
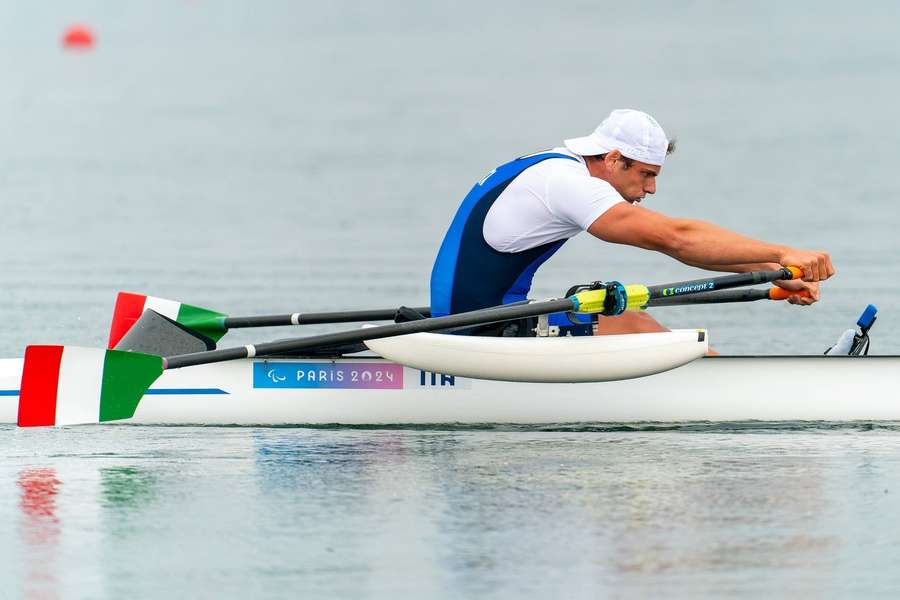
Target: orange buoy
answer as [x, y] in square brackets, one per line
[78, 37]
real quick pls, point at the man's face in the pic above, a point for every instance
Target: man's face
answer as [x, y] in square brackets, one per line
[634, 182]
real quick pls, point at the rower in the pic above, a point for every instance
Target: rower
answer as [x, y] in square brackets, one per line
[519, 214]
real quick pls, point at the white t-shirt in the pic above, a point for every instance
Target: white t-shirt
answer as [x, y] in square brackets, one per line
[552, 200]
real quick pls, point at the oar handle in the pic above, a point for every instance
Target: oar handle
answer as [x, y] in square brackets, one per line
[318, 318]
[777, 293]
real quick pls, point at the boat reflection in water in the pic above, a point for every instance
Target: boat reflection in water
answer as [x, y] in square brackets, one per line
[39, 529]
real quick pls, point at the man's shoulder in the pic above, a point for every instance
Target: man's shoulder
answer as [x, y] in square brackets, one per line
[565, 176]
[556, 156]
[558, 161]
[551, 153]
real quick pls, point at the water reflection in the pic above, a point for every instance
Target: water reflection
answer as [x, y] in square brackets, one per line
[621, 507]
[353, 498]
[125, 492]
[715, 513]
[39, 531]
[127, 488]
[347, 513]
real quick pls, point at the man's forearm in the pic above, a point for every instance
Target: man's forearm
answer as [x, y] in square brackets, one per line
[735, 268]
[700, 243]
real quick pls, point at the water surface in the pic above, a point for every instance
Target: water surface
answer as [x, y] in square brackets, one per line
[752, 509]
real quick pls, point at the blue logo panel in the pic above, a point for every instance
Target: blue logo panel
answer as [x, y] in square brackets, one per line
[322, 375]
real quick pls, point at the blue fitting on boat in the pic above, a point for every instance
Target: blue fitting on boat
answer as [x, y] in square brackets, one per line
[616, 299]
[867, 318]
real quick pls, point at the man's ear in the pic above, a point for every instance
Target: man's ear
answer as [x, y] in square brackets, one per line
[613, 155]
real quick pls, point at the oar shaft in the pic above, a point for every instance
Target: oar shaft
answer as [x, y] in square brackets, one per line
[476, 317]
[695, 286]
[720, 297]
[726, 296]
[347, 316]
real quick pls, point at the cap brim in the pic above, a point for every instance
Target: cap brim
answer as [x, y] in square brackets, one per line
[585, 146]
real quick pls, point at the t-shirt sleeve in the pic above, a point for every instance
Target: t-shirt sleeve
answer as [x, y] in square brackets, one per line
[578, 199]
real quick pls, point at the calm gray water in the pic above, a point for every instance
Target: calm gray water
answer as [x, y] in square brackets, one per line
[282, 156]
[116, 511]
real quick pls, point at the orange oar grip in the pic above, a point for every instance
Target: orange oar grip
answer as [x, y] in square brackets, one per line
[776, 293]
[797, 272]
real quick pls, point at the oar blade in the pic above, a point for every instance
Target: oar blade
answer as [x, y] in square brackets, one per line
[130, 307]
[155, 334]
[71, 385]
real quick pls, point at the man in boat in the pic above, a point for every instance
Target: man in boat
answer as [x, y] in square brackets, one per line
[520, 213]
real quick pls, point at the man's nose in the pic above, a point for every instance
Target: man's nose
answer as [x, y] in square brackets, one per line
[650, 186]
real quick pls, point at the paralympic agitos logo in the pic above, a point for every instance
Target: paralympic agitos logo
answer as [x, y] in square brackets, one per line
[685, 289]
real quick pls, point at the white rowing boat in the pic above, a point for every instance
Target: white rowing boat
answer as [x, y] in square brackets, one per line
[371, 390]
[154, 373]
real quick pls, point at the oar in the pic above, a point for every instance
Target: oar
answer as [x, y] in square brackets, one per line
[318, 318]
[214, 325]
[71, 385]
[726, 296]
[723, 282]
[587, 302]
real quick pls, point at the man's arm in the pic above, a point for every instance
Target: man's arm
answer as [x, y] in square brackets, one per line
[699, 243]
[736, 268]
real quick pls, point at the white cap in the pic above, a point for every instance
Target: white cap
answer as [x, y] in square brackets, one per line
[635, 134]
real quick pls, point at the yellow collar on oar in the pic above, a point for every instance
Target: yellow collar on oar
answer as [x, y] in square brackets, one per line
[591, 301]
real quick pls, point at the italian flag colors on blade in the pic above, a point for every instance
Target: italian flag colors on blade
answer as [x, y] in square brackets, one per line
[130, 307]
[68, 385]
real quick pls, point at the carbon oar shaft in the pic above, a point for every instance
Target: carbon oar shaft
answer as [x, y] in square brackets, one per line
[477, 317]
[718, 297]
[724, 282]
[317, 318]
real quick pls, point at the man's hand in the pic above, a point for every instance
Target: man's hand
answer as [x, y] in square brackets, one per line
[798, 285]
[816, 265]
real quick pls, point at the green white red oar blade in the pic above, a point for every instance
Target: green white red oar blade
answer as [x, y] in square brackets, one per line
[69, 385]
[130, 307]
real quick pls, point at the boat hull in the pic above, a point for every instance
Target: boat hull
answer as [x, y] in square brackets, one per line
[370, 390]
